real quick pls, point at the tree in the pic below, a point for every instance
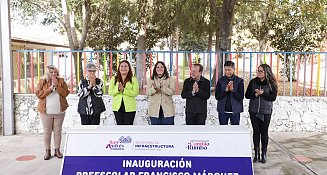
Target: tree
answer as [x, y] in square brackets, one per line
[224, 11]
[110, 25]
[193, 43]
[287, 25]
[154, 20]
[299, 27]
[73, 16]
[204, 18]
[225, 30]
[254, 20]
[193, 21]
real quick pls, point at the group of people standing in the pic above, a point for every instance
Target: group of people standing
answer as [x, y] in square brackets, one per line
[262, 91]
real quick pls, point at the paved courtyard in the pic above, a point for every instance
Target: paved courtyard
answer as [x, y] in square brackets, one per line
[289, 153]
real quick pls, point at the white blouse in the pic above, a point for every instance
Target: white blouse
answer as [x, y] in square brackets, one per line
[53, 103]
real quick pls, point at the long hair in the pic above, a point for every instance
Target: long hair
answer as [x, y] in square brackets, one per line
[129, 76]
[271, 79]
[155, 74]
[47, 72]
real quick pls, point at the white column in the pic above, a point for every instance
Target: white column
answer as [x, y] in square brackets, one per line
[7, 72]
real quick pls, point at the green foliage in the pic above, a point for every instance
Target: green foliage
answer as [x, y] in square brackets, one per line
[299, 26]
[161, 21]
[253, 22]
[110, 25]
[193, 17]
[193, 43]
[287, 25]
[27, 12]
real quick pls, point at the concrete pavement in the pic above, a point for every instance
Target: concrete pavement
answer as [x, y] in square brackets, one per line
[285, 152]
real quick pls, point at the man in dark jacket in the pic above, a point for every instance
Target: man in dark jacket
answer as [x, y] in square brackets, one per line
[196, 91]
[230, 95]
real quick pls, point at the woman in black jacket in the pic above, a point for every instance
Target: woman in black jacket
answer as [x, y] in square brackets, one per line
[90, 104]
[262, 91]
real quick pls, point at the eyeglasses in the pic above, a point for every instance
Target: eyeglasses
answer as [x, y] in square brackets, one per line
[260, 71]
[92, 71]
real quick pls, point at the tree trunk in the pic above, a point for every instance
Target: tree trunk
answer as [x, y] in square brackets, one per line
[86, 21]
[80, 75]
[72, 37]
[215, 11]
[220, 65]
[225, 30]
[290, 73]
[262, 48]
[141, 43]
[177, 38]
[209, 49]
[141, 47]
[211, 28]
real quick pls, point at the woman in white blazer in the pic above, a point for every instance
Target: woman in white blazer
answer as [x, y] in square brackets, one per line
[160, 89]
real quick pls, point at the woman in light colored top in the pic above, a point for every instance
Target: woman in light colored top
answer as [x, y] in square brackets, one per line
[52, 92]
[124, 88]
[90, 104]
[161, 88]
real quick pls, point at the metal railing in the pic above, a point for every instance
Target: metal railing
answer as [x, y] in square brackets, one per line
[297, 73]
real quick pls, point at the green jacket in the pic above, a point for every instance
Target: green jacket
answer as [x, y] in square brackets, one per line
[130, 92]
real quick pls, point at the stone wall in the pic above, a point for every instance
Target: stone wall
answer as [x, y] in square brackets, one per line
[289, 114]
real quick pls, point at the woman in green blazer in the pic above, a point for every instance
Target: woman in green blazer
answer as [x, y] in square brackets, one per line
[124, 88]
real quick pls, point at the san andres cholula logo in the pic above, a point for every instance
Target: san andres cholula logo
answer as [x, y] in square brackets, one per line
[118, 144]
[198, 145]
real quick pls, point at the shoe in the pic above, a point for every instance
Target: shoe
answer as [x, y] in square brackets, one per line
[47, 155]
[256, 157]
[264, 155]
[58, 153]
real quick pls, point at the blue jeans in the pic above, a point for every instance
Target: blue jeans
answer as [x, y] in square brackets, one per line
[234, 118]
[162, 120]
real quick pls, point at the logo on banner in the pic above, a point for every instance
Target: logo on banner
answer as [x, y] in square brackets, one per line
[198, 145]
[127, 139]
[119, 144]
[151, 145]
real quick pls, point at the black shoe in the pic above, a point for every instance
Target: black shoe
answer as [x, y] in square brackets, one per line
[256, 157]
[264, 156]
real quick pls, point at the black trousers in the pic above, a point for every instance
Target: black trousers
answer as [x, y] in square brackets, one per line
[260, 130]
[90, 119]
[195, 118]
[124, 118]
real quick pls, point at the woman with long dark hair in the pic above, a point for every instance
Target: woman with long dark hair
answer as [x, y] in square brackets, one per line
[160, 88]
[262, 91]
[124, 88]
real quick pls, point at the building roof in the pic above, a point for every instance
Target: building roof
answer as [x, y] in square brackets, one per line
[26, 41]
[38, 35]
